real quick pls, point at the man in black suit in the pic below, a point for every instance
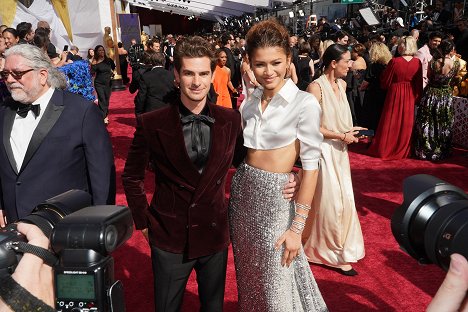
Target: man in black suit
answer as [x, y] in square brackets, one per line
[53, 140]
[73, 54]
[227, 41]
[169, 52]
[156, 86]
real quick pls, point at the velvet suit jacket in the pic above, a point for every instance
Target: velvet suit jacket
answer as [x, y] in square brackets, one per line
[70, 149]
[188, 210]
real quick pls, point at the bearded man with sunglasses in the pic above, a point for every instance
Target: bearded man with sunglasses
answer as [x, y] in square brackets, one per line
[53, 140]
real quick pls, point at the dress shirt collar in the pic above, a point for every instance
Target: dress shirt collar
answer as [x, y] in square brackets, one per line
[184, 111]
[287, 93]
[43, 101]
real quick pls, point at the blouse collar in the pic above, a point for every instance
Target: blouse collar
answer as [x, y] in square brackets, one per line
[287, 92]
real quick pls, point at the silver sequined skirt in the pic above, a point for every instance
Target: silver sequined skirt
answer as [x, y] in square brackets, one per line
[259, 215]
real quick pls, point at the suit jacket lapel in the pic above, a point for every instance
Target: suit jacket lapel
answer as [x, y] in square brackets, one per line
[173, 143]
[48, 120]
[220, 137]
[8, 119]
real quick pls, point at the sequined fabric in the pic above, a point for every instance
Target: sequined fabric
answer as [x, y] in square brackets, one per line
[258, 217]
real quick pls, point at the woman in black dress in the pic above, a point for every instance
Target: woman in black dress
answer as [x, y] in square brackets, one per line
[305, 67]
[374, 96]
[102, 68]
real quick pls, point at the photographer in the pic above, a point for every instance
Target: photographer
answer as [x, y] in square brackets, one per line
[30, 287]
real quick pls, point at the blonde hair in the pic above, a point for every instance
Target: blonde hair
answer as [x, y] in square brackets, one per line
[379, 53]
[409, 44]
[327, 43]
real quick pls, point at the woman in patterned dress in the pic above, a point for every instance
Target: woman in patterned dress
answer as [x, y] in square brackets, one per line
[434, 119]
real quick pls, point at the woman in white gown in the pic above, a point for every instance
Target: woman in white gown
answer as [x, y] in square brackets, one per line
[335, 238]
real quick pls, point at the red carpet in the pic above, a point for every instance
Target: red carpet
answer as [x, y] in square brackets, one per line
[388, 280]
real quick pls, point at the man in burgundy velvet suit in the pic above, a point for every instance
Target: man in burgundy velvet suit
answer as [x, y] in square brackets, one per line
[191, 144]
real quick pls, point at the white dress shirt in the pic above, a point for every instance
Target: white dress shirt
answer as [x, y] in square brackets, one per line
[23, 128]
[291, 114]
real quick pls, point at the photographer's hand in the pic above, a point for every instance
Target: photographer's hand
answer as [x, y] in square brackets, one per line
[452, 294]
[31, 272]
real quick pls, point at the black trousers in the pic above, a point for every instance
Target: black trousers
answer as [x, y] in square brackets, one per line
[171, 272]
[103, 93]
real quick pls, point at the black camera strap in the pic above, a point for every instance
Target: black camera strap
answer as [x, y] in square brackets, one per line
[19, 299]
[49, 258]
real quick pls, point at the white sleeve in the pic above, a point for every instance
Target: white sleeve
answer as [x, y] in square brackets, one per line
[309, 134]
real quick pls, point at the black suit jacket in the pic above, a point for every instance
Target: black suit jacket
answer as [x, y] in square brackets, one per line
[188, 211]
[156, 89]
[70, 149]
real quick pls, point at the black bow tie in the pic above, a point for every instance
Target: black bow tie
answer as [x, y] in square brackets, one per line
[193, 117]
[199, 142]
[23, 109]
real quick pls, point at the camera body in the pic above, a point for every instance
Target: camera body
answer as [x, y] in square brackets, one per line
[89, 287]
[84, 276]
[83, 239]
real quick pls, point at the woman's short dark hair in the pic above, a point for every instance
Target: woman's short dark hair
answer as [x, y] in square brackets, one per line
[11, 31]
[41, 38]
[339, 35]
[193, 47]
[267, 34]
[218, 52]
[119, 44]
[23, 29]
[333, 53]
[359, 49]
[435, 34]
[304, 48]
[445, 47]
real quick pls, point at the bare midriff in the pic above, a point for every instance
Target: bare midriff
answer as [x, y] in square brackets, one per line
[280, 160]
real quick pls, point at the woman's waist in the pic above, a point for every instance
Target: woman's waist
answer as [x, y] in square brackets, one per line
[276, 161]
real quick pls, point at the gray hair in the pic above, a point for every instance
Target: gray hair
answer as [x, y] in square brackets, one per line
[37, 59]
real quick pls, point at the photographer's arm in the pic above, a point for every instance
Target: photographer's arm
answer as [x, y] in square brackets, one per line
[33, 276]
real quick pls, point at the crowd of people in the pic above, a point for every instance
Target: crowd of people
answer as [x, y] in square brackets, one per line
[305, 97]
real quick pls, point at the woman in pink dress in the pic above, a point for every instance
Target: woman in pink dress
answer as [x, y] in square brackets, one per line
[402, 79]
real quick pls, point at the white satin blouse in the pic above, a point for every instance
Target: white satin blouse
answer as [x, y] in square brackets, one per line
[291, 114]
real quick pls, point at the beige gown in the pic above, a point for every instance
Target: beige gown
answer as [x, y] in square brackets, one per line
[333, 235]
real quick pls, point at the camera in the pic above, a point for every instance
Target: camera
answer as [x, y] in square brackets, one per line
[82, 237]
[432, 222]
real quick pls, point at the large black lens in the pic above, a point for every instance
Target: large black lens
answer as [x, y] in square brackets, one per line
[47, 214]
[432, 222]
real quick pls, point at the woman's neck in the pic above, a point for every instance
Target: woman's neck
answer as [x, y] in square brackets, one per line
[330, 74]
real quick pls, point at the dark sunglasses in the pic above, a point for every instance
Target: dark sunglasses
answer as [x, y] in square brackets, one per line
[17, 75]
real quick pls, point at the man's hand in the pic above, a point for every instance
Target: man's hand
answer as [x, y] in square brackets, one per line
[452, 294]
[2, 218]
[31, 272]
[291, 188]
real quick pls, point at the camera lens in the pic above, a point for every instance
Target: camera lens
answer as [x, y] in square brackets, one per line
[432, 222]
[47, 214]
